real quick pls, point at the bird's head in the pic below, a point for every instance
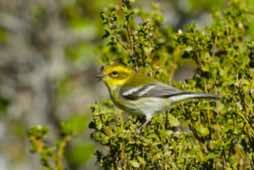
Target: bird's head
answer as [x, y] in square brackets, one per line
[116, 75]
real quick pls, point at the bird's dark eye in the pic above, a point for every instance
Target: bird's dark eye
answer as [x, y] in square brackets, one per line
[114, 74]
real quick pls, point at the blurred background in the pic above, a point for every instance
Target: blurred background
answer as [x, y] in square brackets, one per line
[49, 56]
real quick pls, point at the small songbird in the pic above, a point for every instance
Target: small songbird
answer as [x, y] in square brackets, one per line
[138, 94]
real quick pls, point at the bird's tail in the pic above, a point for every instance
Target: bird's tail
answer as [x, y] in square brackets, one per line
[188, 95]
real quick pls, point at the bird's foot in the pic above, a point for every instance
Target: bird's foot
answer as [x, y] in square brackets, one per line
[142, 126]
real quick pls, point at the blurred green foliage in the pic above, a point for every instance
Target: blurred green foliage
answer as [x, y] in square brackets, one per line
[75, 53]
[3, 36]
[193, 135]
[80, 153]
[206, 5]
[52, 156]
[3, 106]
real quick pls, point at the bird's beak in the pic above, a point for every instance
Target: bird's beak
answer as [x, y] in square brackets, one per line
[99, 76]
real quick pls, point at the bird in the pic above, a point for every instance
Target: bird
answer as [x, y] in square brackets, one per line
[141, 95]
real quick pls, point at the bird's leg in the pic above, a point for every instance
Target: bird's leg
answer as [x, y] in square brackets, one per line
[144, 124]
[148, 119]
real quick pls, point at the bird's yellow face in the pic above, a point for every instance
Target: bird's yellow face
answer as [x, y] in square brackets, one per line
[116, 75]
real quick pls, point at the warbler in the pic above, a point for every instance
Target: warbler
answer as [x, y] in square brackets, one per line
[138, 94]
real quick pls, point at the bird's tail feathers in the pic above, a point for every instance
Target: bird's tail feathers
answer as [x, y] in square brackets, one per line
[188, 95]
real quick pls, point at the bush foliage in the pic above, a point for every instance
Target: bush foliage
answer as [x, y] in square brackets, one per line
[191, 135]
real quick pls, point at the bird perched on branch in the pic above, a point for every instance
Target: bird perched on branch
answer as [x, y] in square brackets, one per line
[138, 94]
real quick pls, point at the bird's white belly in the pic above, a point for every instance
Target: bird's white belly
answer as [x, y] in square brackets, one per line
[147, 105]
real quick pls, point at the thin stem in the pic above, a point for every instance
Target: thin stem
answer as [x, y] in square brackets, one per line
[59, 156]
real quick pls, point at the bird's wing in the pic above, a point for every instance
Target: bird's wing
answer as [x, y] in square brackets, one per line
[149, 90]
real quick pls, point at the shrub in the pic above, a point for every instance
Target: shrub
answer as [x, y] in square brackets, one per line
[191, 135]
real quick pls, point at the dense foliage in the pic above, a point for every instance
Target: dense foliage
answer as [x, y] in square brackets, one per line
[194, 134]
